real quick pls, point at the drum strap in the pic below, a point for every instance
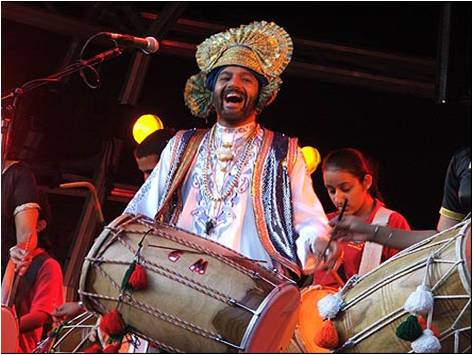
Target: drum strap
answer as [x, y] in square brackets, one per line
[185, 163]
[28, 280]
[372, 252]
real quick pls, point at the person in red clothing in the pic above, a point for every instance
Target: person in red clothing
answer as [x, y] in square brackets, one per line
[40, 290]
[348, 175]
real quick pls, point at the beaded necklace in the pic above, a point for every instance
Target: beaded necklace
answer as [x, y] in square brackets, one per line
[227, 189]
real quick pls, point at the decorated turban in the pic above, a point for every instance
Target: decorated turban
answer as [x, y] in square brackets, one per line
[262, 47]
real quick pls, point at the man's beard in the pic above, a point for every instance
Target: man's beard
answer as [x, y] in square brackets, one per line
[234, 116]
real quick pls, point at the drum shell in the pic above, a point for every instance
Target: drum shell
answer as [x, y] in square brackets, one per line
[10, 331]
[182, 295]
[367, 304]
[309, 321]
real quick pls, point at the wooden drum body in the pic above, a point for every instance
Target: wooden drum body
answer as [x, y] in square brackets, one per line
[10, 331]
[201, 296]
[373, 308]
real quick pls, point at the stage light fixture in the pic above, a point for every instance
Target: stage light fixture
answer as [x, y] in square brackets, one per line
[312, 158]
[145, 125]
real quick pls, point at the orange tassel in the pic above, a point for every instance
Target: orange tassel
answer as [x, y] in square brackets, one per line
[93, 349]
[112, 348]
[327, 336]
[423, 323]
[138, 279]
[112, 323]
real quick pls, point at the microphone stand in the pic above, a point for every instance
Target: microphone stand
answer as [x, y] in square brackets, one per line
[15, 94]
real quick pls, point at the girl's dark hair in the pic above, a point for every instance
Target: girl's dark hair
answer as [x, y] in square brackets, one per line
[353, 161]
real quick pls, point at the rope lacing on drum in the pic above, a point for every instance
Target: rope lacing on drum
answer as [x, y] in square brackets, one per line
[130, 300]
[398, 313]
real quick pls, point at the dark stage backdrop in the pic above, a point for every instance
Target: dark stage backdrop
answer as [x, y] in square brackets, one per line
[411, 138]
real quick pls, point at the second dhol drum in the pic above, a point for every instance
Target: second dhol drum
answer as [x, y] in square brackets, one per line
[374, 307]
[200, 297]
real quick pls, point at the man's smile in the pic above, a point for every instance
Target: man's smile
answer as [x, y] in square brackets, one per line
[233, 100]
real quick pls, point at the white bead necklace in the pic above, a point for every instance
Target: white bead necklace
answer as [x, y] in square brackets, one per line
[219, 197]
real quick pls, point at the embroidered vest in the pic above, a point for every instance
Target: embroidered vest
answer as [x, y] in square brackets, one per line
[271, 191]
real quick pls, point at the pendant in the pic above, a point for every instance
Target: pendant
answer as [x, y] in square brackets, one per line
[209, 226]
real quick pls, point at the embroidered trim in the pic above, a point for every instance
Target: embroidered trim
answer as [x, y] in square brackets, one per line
[450, 214]
[184, 164]
[258, 204]
[292, 154]
[25, 206]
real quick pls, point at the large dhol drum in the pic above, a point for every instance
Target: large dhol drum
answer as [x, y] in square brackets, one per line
[201, 296]
[373, 308]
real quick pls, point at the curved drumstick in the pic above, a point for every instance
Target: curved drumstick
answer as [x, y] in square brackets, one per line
[340, 216]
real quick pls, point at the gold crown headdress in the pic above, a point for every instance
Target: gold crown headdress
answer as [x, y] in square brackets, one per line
[263, 47]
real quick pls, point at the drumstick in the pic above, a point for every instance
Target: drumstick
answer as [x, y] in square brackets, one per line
[340, 216]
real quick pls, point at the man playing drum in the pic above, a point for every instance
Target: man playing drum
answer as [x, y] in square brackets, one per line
[238, 184]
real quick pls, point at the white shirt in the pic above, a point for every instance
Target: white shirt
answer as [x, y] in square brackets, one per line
[233, 219]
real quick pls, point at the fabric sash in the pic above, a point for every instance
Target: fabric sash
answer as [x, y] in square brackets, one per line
[372, 252]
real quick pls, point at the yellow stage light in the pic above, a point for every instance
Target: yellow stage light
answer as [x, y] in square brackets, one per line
[145, 125]
[312, 158]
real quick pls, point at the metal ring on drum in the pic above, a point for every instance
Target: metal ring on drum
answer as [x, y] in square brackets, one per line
[201, 296]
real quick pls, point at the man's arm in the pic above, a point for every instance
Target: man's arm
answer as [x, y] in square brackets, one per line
[33, 320]
[310, 221]
[355, 229]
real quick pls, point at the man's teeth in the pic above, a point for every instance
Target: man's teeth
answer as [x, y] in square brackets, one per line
[233, 98]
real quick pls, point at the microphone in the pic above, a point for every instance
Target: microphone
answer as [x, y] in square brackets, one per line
[148, 45]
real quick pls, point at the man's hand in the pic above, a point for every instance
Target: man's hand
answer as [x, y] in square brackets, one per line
[67, 311]
[21, 258]
[352, 228]
[326, 251]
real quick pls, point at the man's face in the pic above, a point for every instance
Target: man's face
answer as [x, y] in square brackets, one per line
[146, 164]
[235, 96]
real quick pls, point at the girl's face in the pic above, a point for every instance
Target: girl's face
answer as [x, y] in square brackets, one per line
[341, 185]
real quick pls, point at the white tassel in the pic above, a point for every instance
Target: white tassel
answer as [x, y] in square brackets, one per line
[426, 343]
[330, 305]
[420, 302]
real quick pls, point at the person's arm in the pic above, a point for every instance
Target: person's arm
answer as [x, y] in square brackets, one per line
[27, 238]
[310, 221]
[33, 320]
[68, 311]
[445, 223]
[355, 229]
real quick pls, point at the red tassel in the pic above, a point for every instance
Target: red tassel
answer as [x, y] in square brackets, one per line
[138, 279]
[112, 323]
[327, 336]
[93, 349]
[423, 323]
[112, 348]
